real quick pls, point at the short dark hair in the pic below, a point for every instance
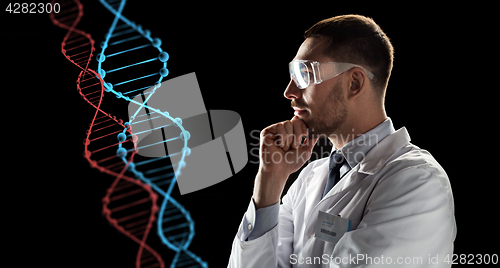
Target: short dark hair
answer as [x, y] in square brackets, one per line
[357, 39]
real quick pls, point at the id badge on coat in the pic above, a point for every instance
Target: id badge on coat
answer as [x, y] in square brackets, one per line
[331, 228]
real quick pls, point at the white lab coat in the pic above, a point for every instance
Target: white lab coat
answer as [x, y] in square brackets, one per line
[398, 199]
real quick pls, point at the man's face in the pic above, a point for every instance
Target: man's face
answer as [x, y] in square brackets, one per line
[323, 107]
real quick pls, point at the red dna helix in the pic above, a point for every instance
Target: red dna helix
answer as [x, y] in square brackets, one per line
[129, 205]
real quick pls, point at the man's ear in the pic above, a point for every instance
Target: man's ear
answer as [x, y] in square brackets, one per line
[357, 83]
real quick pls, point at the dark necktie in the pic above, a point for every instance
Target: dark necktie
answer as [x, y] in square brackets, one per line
[337, 160]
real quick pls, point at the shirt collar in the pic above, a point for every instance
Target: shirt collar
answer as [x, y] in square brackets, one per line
[355, 150]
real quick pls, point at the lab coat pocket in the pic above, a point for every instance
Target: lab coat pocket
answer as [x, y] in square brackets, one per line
[329, 246]
[354, 225]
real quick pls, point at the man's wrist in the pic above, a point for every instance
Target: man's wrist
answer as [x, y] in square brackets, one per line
[268, 188]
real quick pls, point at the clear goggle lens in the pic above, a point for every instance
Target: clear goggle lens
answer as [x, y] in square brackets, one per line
[300, 74]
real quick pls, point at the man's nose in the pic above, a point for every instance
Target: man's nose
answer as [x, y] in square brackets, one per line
[292, 91]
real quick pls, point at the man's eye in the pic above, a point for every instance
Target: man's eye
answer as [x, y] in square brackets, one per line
[307, 74]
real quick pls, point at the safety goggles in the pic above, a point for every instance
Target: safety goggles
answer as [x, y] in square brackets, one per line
[303, 72]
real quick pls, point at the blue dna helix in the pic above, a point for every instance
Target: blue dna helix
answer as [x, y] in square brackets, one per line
[175, 227]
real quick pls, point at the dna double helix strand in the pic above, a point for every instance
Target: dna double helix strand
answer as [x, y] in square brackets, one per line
[111, 147]
[136, 55]
[131, 202]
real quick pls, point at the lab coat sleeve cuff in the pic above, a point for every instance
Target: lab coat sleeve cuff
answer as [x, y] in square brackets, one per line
[258, 222]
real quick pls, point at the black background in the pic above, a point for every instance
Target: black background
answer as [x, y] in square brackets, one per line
[441, 90]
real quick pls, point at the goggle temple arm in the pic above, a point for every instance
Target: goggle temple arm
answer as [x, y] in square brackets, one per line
[316, 72]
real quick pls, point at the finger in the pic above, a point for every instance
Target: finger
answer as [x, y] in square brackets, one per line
[289, 134]
[268, 133]
[302, 124]
[300, 130]
[280, 135]
[297, 133]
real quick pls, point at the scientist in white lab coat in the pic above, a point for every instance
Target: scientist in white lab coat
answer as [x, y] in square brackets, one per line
[378, 200]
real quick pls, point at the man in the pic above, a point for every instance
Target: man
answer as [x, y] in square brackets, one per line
[377, 200]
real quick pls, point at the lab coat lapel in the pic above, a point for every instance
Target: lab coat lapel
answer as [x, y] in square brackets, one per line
[314, 202]
[314, 190]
